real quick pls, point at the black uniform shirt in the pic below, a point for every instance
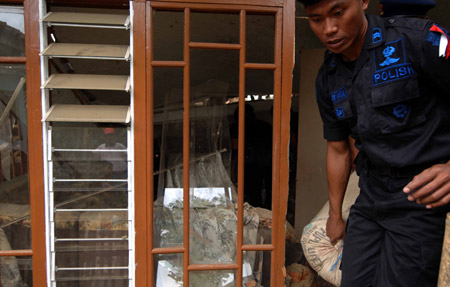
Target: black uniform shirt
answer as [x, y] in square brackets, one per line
[394, 99]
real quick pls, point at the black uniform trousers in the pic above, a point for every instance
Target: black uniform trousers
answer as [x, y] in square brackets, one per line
[390, 241]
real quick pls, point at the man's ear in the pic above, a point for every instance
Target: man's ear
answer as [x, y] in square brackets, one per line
[365, 4]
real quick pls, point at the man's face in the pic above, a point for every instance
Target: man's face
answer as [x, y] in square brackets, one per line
[340, 25]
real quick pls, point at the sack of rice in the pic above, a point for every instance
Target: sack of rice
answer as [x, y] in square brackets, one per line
[324, 257]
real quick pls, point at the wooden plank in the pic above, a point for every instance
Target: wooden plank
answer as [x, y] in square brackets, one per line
[186, 145]
[35, 150]
[73, 50]
[13, 60]
[88, 113]
[87, 18]
[22, 252]
[87, 82]
[284, 56]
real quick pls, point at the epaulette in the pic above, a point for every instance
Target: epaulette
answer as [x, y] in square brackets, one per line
[408, 22]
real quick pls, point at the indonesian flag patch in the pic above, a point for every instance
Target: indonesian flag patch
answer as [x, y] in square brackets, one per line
[444, 49]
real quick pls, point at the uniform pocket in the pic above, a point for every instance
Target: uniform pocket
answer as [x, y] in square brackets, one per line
[343, 109]
[397, 105]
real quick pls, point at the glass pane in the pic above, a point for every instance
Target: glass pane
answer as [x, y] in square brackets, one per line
[168, 157]
[90, 254]
[168, 31]
[260, 38]
[258, 138]
[212, 278]
[90, 197]
[16, 271]
[17, 229]
[14, 188]
[253, 267]
[91, 248]
[215, 27]
[169, 270]
[12, 37]
[262, 267]
[212, 194]
[88, 153]
[91, 224]
[97, 278]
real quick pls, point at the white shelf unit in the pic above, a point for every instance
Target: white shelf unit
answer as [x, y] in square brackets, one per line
[86, 114]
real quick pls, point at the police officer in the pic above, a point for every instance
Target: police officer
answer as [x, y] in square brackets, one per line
[385, 82]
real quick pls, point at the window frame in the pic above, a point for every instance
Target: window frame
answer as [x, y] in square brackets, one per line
[35, 173]
[143, 149]
[281, 124]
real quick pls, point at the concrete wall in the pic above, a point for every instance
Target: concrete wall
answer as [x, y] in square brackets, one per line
[311, 186]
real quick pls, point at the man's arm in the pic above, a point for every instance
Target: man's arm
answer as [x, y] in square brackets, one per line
[431, 187]
[339, 164]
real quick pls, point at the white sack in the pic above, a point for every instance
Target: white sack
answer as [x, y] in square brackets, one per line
[320, 253]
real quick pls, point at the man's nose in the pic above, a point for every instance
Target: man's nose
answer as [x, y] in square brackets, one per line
[330, 27]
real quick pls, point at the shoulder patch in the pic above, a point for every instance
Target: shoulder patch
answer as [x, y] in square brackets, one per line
[440, 36]
[434, 38]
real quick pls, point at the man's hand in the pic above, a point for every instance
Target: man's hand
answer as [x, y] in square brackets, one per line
[431, 187]
[335, 229]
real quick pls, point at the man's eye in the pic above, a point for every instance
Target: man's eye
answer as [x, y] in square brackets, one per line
[314, 20]
[339, 13]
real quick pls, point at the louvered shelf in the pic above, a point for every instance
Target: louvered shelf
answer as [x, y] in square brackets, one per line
[87, 82]
[88, 113]
[87, 51]
[94, 20]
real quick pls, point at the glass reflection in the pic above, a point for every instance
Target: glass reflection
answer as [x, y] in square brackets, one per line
[16, 271]
[12, 37]
[260, 38]
[213, 279]
[168, 32]
[90, 197]
[222, 27]
[258, 138]
[169, 270]
[213, 217]
[168, 157]
[15, 225]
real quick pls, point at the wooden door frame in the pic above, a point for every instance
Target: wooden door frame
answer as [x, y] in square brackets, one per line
[35, 148]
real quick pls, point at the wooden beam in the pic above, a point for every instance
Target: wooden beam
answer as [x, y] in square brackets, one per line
[35, 149]
[141, 122]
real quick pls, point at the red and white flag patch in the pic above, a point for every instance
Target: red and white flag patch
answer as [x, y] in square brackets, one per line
[444, 49]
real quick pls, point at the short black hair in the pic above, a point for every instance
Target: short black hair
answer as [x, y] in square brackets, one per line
[307, 3]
